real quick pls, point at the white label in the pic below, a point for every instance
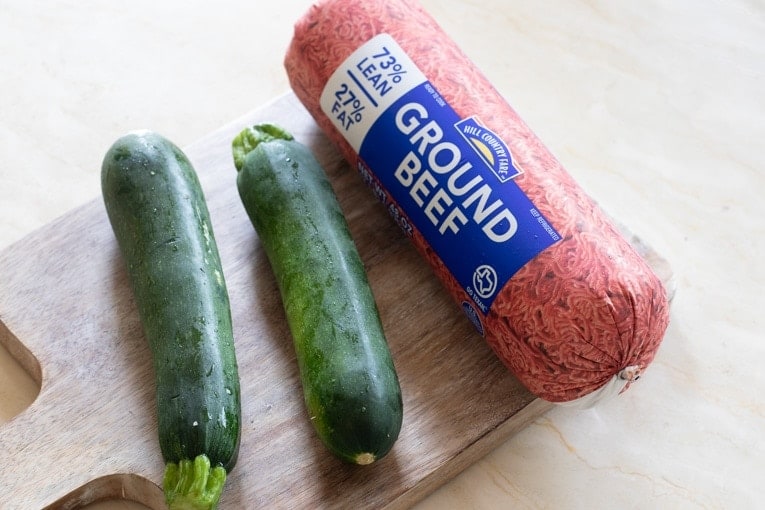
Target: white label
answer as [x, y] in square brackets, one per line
[366, 84]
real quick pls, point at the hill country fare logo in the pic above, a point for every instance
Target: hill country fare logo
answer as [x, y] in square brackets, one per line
[492, 150]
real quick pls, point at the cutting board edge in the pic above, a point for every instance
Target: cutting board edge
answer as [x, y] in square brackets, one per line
[470, 455]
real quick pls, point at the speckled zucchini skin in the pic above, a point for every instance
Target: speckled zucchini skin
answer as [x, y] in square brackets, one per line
[160, 218]
[350, 385]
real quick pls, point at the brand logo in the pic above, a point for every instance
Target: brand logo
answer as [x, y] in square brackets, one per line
[490, 147]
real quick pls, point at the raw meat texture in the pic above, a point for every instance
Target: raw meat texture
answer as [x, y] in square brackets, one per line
[583, 312]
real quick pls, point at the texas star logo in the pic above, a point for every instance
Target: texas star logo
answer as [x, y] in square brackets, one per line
[484, 281]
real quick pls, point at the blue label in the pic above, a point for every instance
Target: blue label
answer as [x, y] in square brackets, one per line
[453, 179]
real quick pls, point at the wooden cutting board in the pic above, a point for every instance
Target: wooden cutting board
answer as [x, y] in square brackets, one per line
[68, 316]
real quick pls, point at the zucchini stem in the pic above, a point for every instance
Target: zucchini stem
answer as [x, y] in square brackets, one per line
[249, 138]
[193, 485]
[364, 459]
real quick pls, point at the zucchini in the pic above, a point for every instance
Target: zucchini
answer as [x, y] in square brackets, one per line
[160, 219]
[350, 385]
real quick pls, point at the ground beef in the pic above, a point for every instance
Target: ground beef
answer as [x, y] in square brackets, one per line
[583, 313]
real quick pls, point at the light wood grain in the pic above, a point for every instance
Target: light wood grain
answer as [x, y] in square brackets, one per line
[68, 316]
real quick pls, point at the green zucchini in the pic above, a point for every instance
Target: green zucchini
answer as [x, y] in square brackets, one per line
[350, 385]
[160, 219]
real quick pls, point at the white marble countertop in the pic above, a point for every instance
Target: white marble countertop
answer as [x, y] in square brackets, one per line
[656, 107]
